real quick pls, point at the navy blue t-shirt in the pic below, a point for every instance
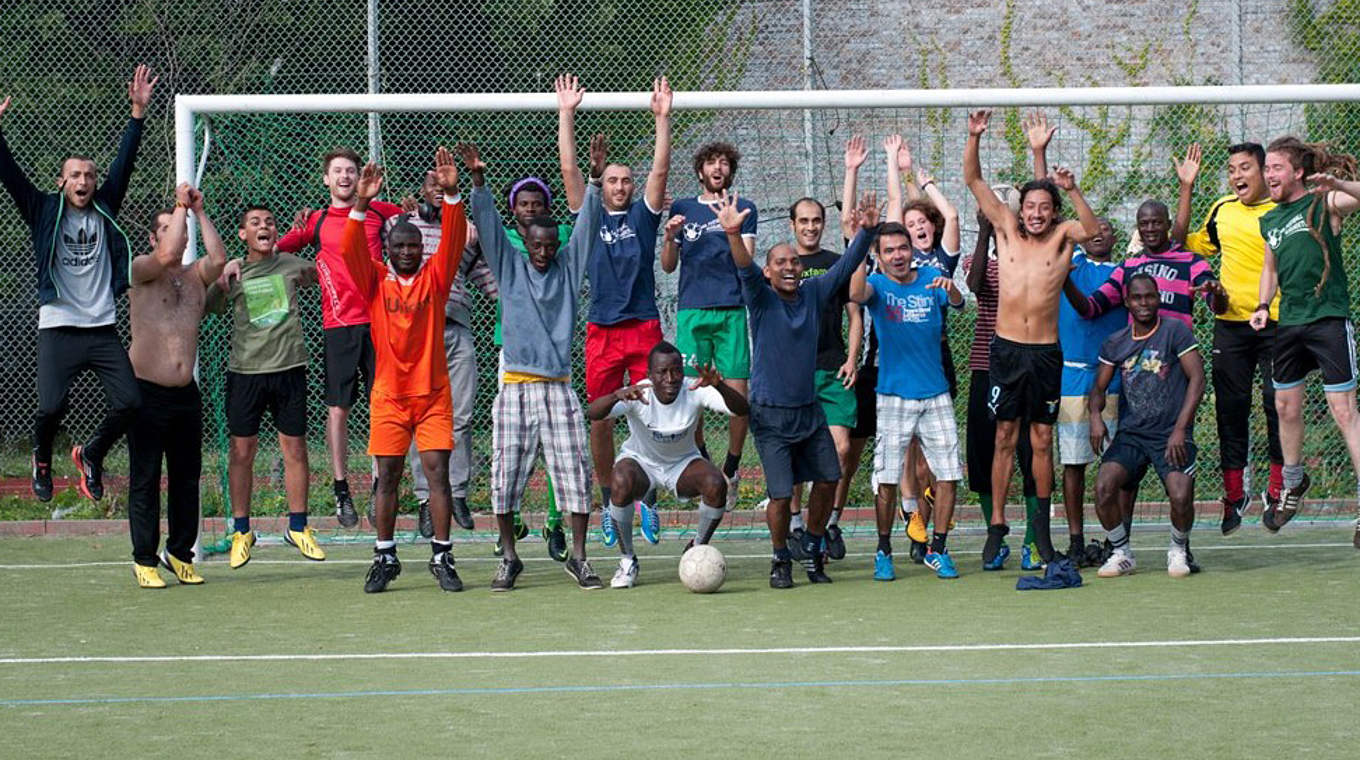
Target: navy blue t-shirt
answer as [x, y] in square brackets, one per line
[708, 278]
[784, 333]
[1154, 383]
[622, 266]
[909, 321]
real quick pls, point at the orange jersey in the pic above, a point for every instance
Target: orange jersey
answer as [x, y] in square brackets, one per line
[408, 312]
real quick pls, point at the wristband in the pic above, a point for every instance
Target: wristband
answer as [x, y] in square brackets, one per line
[1263, 306]
[927, 183]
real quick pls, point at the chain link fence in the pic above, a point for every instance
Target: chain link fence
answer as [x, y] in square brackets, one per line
[68, 62]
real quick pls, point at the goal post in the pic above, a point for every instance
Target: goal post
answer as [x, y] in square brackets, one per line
[1119, 140]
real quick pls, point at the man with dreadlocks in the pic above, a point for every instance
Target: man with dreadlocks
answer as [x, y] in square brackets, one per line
[1303, 262]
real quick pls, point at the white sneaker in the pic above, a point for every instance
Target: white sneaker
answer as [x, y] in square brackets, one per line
[1177, 564]
[1121, 562]
[732, 484]
[626, 575]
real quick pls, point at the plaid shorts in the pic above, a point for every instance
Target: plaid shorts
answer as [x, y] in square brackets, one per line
[524, 416]
[932, 421]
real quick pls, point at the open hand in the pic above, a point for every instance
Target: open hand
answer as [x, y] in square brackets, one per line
[728, 216]
[1037, 130]
[855, 152]
[977, 122]
[370, 182]
[598, 151]
[1064, 178]
[569, 92]
[140, 89]
[472, 161]
[709, 376]
[867, 211]
[673, 225]
[445, 172]
[662, 97]
[1188, 169]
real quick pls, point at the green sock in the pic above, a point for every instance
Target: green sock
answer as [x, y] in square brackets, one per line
[518, 520]
[554, 514]
[1031, 509]
[985, 507]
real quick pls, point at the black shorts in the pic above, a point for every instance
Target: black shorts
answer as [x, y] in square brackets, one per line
[1136, 452]
[866, 403]
[1327, 344]
[1026, 381]
[349, 352]
[284, 394]
[795, 446]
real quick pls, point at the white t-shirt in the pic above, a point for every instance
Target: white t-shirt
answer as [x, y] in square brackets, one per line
[664, 433]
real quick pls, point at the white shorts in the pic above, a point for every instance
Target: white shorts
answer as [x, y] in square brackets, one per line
[1074, 428]
[932, 421]
[662, 474]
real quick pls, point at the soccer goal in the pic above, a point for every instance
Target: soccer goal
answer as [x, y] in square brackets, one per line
[1119, 141]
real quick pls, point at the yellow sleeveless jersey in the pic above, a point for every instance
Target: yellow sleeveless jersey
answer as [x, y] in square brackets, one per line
[1233, 229]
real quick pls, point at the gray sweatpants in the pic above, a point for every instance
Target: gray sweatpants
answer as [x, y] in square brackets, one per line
[462, 363]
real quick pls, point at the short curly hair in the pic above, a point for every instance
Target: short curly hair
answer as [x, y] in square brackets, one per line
[712, 150]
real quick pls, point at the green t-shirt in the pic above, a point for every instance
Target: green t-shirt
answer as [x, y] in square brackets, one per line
[517, 242]
[1299, 263]
[266, 333]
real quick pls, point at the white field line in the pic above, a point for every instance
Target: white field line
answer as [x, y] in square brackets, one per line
[556, 654]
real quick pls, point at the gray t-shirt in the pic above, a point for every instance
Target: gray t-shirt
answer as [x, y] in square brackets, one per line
[82, 274]
[1154, 385]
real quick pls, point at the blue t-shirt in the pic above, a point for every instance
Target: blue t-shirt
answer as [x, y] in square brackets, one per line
[1081, 338]
[784, 333]
[909, 322]
[708, 278]
[622, 266]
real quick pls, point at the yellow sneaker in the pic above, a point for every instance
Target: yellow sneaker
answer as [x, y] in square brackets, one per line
[240, 548]
[184, 571]
[305, 541]
[916, 529]
[147, 577]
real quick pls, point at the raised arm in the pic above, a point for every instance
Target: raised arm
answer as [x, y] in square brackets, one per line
[895, 151]
[1039, 135]
[490, 233]
[731, 220]
[170, 246]
[1087, 225]
[354, 248]
[587, 227]
[655, 192]
[1186, 172]
[453, 223]
[1003, 221]
[26, 196]
[866, 218]
[210, 266]
[140, 89]
[950, 239]
[977, 267]
[569, 93]
[856, 151]
[838, 276]
[1342, 196]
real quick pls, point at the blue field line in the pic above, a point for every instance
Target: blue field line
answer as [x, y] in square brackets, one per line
[605, 688]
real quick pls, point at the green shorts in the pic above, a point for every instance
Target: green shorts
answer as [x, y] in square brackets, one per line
[837, 400]
[717, 336]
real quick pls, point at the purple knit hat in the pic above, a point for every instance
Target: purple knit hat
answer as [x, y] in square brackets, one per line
[533, 183]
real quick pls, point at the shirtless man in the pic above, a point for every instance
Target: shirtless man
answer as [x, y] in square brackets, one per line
[165, 305]
[1033, 251]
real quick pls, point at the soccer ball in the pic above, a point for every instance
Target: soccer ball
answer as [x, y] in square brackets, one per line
[703, 569]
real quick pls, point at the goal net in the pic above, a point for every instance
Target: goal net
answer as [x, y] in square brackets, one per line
[1119, 141]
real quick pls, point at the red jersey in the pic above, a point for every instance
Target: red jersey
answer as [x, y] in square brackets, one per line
[341, 304]
[407, 313]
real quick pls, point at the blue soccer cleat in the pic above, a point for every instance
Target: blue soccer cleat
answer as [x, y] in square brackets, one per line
[942, 564]
[650, 522]
[883, 567]
[608, 536]
[1000, 561]
[1029, 558]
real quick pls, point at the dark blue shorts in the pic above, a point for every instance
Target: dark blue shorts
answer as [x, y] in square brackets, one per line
[1135, 453]
[795, 446]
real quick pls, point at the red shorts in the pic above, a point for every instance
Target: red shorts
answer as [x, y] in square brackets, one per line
[394, 421]
[613, 349]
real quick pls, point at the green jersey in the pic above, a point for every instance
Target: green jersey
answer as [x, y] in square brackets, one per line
[266, 334]
[1304, 296]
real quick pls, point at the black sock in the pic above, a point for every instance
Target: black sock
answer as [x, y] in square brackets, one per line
[885, 543]
[1078, 540]
[783, 555]
[341, 486]
[995, 534]
[731, 464]
[438, 547]
[1042, 535]
[937, 542]
[703, 452]
[604, 493]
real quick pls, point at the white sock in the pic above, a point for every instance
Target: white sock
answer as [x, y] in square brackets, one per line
[909, 504]
[796, 521]
[384, 544]
[709, 517]
[1179, 538]
[835, 518]
[623, 527]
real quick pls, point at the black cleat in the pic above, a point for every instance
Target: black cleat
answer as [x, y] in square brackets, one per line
[814, 563]
[42, 479]
[461, 514]
[781, 573]
[556, 538]
[1232, 514]
[835, 542]
[344, 511]
[918, 552]
[521, 533]
[91, 474]
[441, 567]
[795, 544]
[584, 575]
[384, 570]
[425, 521]
[506, 573]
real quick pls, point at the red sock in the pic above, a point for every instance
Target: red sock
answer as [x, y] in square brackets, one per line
[1232, 485]
[1276, 480]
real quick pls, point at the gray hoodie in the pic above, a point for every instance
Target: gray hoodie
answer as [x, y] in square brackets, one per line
[539, 308]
